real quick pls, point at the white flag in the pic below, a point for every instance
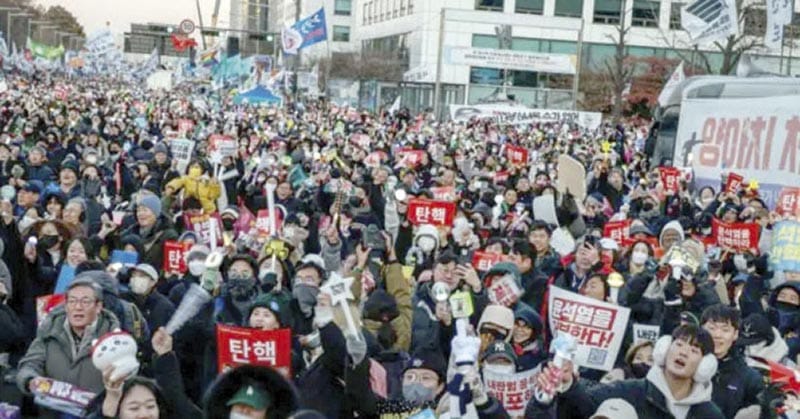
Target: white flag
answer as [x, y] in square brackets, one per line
[673, 81]
[779, 13]
[395, 106]
[707, 21]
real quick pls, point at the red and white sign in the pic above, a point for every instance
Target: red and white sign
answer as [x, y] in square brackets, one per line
[788, 201]
[426, 211]
[374, 159]
[224, 145]
[61, 92]
[734, 182]
[619, 231]
[504, 291]
[203, 224]
[45, 304]
[361, 140]
[483, 261]
[670, 178]
[185, 126]
[174, 256]
[62, 396]
[263, 223]
[501, 177]
[444, 193]
[599, 327]
[245, 346]
[513, 391]
[737, 236]
[410, 158]
[516, 155]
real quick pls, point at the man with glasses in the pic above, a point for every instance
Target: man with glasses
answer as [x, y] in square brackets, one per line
[62, 348]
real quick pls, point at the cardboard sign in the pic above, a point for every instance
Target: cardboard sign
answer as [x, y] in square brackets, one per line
[61, 396]
[737, 236]
[645, 332]
[45, 304]
[733, 183]
[788, 201]
[263, 223]
[670, 178]
[444, 193]
[245, 346]
[785, 252]
[619, 231]
[504, 291]
[425, 211]
[513, 391]
[571, 177]
[483, 261]
[516, 155]
[175, 257]
[599, 327]
[202, 224]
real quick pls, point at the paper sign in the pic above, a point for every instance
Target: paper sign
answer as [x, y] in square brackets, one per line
[45, 304]
[425, 211]
[245, 346]
[737, 236]
[733, 183]
[124, 257]
[788, 201]
[645, 332]
[202, 225]
[65, 277]
[361, 140]
[444, 193]
[785, 252]
[263, 222]
[504, 291]
[670, 178]
[571, 177]
[562, 241]
[500, 177]
[185, 126]
[513, 391]
[61, 396]
[175, 257]
[516, 155]
[599, 327]
[223, 145]
[181, 150]
[619, 231]
[544, 209]
[483, 261]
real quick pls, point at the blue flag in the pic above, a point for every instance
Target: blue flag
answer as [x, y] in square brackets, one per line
[64, 278]
[305, 32]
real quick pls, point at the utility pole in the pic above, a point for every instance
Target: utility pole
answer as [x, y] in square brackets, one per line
[437, 90]
[200, 20]
[577, 77]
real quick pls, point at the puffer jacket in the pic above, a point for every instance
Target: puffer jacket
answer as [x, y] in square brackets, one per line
[736, 385]
[398, 287]
[51, 355]
[153, 242]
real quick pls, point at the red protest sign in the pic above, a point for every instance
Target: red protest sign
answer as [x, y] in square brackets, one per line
[737, 236]
[733, 183]
[240, 346]
[207, 226]
[426, 211]
[361, 140]
[185, 125]
[444, 193]
[788, 201]
[410, 157]
[45, 304]
[223, 145]
[670, 178]
[500, 177]
[263, 224]
[174, 256]
[619, 231]
[483, 261]
[518, 156]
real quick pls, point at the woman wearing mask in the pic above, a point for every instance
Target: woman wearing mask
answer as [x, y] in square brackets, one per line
[638, 361]
[525, 339]
[634, 264]
[44, 255]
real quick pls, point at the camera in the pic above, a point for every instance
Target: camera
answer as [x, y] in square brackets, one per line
[373, 239]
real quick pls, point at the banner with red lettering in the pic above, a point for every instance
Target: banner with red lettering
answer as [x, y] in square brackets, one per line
[202, 224]
[61, 396]
[222, 145]
[516, 155]
[670, 178]
[241, 345]
[513, 391]
[599, 327]
[733, 183]
[737, 236]
[444, 193]
[788, 201]
[501, 177]
[619, 231]
[263, 223]
[407, 157]
[483, 261]
[174, 257]
[426, 211]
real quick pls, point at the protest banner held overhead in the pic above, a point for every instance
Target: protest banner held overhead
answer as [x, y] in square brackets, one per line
[785, 251]
[425, 211]
[238, 345]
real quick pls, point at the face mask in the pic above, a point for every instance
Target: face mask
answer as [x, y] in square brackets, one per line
[113, 157]
[195, 172]
[140, 285]
[268, 280]
[227, 224]
[91, 187]
[240, 288]
[196, 267]
[306, 297]
[417, 393]
[426, 243]
[48, 241]
[499, 369]
[785, 316]
[236, 415]
[640, 369]
[639, 258]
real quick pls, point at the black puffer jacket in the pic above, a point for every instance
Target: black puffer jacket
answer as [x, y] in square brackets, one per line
[736, 385]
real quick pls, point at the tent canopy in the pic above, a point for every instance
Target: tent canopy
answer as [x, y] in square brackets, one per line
[258, 95]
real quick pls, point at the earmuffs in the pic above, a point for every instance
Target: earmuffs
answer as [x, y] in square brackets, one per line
[705, 370]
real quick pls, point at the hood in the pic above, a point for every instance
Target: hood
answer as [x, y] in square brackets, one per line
[672, 225]
[109, 283]
[226, 385]
[427, 230]
[773, 296]
[701, 393]
[775, 351]
[502, 268]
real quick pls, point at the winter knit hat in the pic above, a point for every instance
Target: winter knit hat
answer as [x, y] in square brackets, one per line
[498, 315]
[151, 202]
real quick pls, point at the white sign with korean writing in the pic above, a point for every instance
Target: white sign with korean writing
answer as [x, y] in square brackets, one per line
[645, 332]
[181, 149]
[513, 391]
[599, 327]
[523, 115]
[513, 60]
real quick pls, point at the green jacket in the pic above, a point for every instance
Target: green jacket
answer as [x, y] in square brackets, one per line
[398, 287]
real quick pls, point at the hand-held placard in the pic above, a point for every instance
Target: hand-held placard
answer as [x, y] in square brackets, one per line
[339, 290]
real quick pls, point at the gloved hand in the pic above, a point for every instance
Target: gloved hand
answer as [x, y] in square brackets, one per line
[356, 347]
[473, 380]
[465, 349]
[672, 293]
[323, 314]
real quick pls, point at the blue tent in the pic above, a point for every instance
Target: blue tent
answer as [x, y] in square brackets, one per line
[258, 95]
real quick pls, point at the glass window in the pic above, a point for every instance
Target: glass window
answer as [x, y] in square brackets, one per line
[569, 8]
[530, 6]
[645, 13]
[526, 44]
[564, 47]
[675, 15]
[607, 11]
[496, 5]
[342, 7]
[524, 78]
[482, 75]
[485, 41]
[341, 33]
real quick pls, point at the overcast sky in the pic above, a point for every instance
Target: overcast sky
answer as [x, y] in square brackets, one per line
[93, 14]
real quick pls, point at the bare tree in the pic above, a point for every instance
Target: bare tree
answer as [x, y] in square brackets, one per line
[618, 69]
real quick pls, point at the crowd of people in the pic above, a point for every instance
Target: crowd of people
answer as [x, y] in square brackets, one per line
[95, 175]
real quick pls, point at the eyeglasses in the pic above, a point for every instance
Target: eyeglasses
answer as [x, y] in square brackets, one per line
[83, 302]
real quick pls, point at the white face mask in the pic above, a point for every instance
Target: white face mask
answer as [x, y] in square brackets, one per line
[196, 267]
[639, 258]
[140, 285]
[426, 243]
[236, 415]
[499, 369]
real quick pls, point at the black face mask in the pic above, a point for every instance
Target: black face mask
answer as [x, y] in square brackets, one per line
[228, 224]
[48, 241]
[640, 369]
[91, 187]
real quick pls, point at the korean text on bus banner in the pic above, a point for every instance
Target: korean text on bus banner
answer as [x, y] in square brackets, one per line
[426, 211]
[512, 390]
[785, 252]
[598, 327]
[737, 236]
[239, 345]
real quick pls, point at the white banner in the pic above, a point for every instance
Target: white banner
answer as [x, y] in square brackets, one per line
[423, 73]
[755, 137]
[521, 115]
[779, 13]
[598, 327]
[181, 150]
[707, 21]
[669, 87]
[513, 391]
[513, 60]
